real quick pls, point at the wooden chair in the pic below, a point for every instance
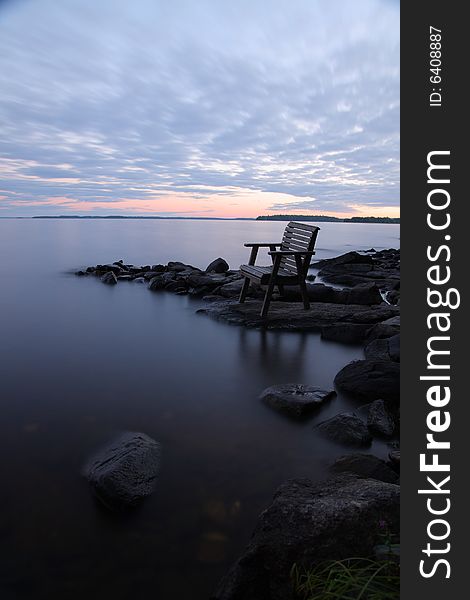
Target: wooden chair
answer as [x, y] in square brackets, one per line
[290, 263]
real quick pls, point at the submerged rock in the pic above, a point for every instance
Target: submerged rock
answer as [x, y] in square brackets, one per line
[371, 380]
[365, 465]
[345, 428]
[295, 399]
[125, 471]
[308, 523]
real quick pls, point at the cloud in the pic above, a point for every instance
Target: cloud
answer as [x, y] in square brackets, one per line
[118, 102]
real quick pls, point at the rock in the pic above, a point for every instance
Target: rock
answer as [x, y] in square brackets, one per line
[206, 280]
[380, 420]
[291, 316]
[384, 349]
[385, 329]
[345, 428]
[346, 333]
[177, 267]
[394, 458]
[344, 259]
[364, 293]
[109, 278]
[365, 465]
[80, 273]
[219, 265]
[90, 269]
[125, 471]
[159, 268]
[371, 380]
[116, 269]
[306, 524]
[233, 289]
[139, 280]
[159, 282]
[295, 399]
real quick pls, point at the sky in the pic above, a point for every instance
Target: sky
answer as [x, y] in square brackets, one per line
[217, 108]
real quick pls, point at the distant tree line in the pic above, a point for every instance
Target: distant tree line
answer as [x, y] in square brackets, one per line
[319, 218]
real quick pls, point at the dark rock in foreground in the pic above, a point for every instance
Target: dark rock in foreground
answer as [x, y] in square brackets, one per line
[290, 316]
[345, 428]
[295, 399]
[380, 420]
[371, 380]
[125, 471]
[305, 524]
[365, 465]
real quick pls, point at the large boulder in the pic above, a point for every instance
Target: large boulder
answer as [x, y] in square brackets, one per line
[306, 523]
[345, 428]
[295, 399]
[385, 329]
[219, 265]
[125, 471]
[365, 465]
[371, 380]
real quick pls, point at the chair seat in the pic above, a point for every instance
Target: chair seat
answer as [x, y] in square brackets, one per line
[262, 274]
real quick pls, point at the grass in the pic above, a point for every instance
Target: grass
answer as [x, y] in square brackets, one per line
[349, 579]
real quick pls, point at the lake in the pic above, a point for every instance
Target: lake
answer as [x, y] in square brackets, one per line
[80, 361]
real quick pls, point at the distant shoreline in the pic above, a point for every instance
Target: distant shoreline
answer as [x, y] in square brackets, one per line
[314, 218]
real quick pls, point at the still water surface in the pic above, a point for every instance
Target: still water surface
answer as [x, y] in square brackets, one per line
[80, 361]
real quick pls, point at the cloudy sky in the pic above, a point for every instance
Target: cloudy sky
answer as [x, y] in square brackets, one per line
[208, 108]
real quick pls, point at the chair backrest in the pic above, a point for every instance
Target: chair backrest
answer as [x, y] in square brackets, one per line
[298, 237]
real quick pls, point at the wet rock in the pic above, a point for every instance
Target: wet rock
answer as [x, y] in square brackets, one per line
[125, 471]
[380, 419]
[365, 465]
[81, 273]
[219, 265]
[308, 523]
[109, 278]
[139, 280]
[370, 380]
[295, 399]
[233, 289]
[345, 428]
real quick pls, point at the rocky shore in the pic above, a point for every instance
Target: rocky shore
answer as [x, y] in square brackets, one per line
[357, 301]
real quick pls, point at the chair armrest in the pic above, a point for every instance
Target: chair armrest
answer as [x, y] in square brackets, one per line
[291, 253]
[262, 244]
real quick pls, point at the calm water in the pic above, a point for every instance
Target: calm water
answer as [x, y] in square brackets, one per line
[80, 361]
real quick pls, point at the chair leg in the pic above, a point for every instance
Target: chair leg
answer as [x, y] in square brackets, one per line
[267, 299]
[244, 290]
[303, 291]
